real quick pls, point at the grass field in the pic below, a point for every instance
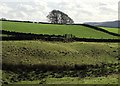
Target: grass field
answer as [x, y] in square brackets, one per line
[58, 53]
[77, 30]
[45, 62]
[29, 53]
[114, 30]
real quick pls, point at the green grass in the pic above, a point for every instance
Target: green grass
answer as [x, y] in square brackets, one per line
[114, 30]
[5, 35]
[58, 53]
[110, 79]
[77, 30]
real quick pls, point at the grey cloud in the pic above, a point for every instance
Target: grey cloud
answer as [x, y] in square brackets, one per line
[24, 10]
[79, 10]
[107, 10]
[102, 4]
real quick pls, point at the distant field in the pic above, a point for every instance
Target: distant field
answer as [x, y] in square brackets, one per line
[77, 30]
[114, 30]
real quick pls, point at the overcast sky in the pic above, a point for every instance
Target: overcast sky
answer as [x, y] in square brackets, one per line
[79, 10]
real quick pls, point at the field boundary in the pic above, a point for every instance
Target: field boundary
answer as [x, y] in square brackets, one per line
[100, 29]
[76, 67]
[30, 36]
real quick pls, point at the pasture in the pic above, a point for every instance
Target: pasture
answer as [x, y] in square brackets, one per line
[58, 53]
[52, 29]
[114, 30]
[59, 63]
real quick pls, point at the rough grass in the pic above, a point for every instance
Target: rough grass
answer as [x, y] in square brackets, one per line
[110, 79]
[39, 52]
[25, 53]
[77, 30]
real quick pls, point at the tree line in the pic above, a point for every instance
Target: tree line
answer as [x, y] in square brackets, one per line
[54, 17]
[58, 17]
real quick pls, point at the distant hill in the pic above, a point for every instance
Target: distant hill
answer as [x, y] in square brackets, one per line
[114, 24]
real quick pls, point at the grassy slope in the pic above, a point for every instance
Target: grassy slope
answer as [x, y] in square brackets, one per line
[36, 52]
[58, 53]
[78, 31]
[114, 30]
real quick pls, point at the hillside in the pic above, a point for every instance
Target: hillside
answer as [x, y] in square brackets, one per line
[57, 62]
[77, 30]
[58, 52]
[113, 24]
[33, 61]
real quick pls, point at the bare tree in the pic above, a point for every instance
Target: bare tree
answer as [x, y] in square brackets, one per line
[58, 17]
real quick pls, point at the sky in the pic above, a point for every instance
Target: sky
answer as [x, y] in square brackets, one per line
[79, 10]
